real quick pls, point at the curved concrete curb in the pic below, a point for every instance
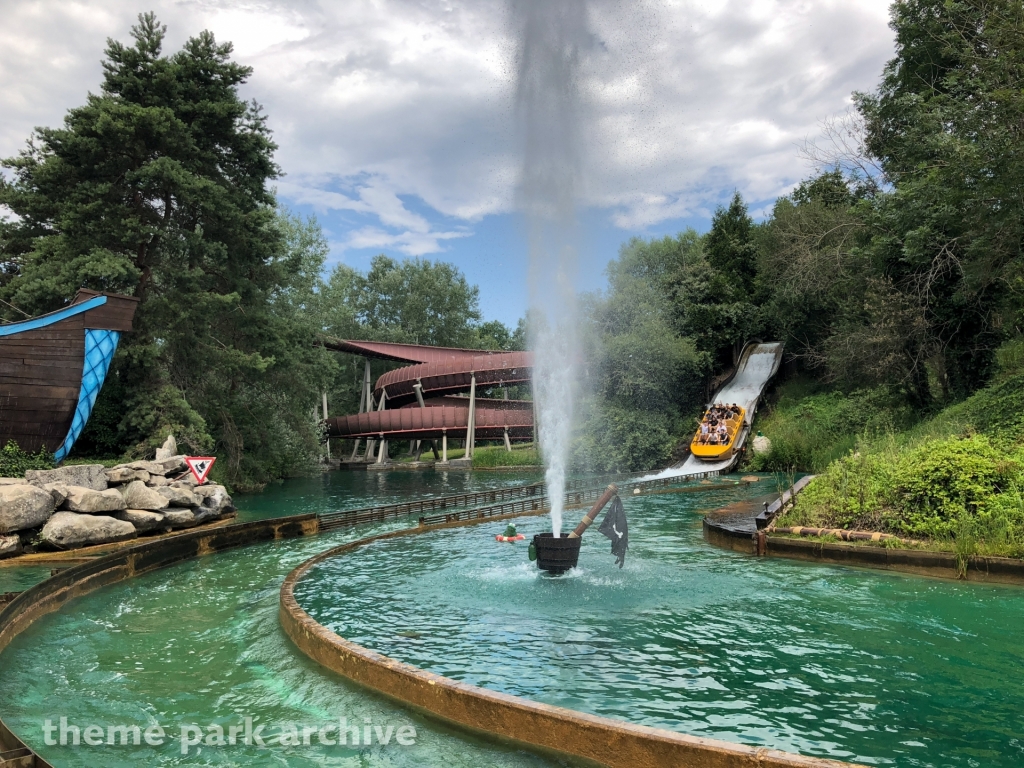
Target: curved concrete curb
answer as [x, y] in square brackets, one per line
[599, 739]
[49, 595]
[939, 565]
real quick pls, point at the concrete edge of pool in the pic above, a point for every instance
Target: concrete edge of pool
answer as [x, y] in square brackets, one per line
[600, 740]
[937, 565]
[52, 593]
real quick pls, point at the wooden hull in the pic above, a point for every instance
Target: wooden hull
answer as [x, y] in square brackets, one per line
[52, 366]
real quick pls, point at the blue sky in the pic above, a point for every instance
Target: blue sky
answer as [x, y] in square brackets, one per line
[396, 119]
[491, 254]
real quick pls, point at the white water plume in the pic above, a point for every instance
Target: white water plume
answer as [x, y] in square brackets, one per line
[551, 35]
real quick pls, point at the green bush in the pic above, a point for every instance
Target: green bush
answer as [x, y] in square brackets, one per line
[14, 462]
[618, 439]
[961, 490]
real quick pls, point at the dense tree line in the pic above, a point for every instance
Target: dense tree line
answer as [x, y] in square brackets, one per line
[160, 187]
[898, 264]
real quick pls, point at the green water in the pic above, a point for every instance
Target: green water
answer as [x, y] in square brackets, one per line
[855, 665]
[200, 643]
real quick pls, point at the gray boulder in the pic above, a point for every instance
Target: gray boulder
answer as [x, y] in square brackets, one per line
[214, 497]
[67, 530]
[157, 481]
[152, 467]
[168, 449]
[174, 465]
[9, 546]
[206, 514]
[119, 475]
[83, 475]
[179, 497]
[142, 519]
[12, 481]
[138, 496]
[23, 506]
[180, 518]
[91, 502]
[59, 491]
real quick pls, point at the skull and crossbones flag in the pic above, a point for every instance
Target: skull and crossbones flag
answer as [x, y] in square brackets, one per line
[615, 528]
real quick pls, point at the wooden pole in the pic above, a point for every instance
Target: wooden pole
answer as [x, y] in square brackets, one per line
[418, 387]
[325, 419]
[588, 518]
[508, 445]
[471, 426]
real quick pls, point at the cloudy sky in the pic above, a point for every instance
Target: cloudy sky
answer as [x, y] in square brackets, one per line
[395, 118]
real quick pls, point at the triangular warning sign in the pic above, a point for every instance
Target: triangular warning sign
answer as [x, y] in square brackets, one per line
[200, 466]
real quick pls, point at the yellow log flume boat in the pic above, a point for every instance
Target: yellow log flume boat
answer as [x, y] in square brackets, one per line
[720, 427]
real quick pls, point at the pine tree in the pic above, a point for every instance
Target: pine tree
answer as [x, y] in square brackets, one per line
[157, 187]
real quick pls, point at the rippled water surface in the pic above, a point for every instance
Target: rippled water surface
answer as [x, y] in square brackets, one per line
[858, 665]
[200, 644]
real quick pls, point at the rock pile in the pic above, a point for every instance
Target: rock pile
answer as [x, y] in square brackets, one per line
[81, 505]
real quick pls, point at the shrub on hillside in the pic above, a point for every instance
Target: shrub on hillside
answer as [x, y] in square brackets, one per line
[944, 489]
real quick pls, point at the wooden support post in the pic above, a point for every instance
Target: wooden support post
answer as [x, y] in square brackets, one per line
[471, 425]
[418, 388]
[508, 445]
[382, 456]
[325, 419]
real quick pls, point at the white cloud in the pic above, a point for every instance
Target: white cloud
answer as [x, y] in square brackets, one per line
[376, 101]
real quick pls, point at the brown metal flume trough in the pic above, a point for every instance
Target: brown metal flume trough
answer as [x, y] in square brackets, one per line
[415, 402]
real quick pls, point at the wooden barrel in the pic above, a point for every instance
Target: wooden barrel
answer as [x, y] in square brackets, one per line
[556, 555]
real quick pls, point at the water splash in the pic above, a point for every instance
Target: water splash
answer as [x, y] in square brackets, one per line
[551, 35]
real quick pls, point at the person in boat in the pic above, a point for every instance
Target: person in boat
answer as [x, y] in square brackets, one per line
[704, 430]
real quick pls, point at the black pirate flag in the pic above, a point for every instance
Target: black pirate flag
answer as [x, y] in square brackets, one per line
[615, 528]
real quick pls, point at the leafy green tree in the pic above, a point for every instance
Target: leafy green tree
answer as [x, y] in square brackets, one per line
[642, 375]
[157, 187]
[729, 248]
[418, 302]
[945, 125]
[712, 303]
[494, 334]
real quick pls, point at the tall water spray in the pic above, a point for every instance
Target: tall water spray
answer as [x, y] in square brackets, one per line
[551, 35]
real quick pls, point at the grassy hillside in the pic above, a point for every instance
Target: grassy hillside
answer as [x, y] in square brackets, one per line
[954, 480]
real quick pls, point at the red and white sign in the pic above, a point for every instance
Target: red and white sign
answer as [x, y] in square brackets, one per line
[200, 466]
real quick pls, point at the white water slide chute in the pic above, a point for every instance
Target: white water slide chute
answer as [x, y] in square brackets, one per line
[757, 364]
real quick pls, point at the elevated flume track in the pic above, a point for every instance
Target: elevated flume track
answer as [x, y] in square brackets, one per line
[393, 409]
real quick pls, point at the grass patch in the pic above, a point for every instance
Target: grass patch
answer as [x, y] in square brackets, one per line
[487, 457]
[955, 481]
[810, 426]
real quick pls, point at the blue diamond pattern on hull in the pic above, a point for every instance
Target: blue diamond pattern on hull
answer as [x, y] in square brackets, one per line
[99, 351]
